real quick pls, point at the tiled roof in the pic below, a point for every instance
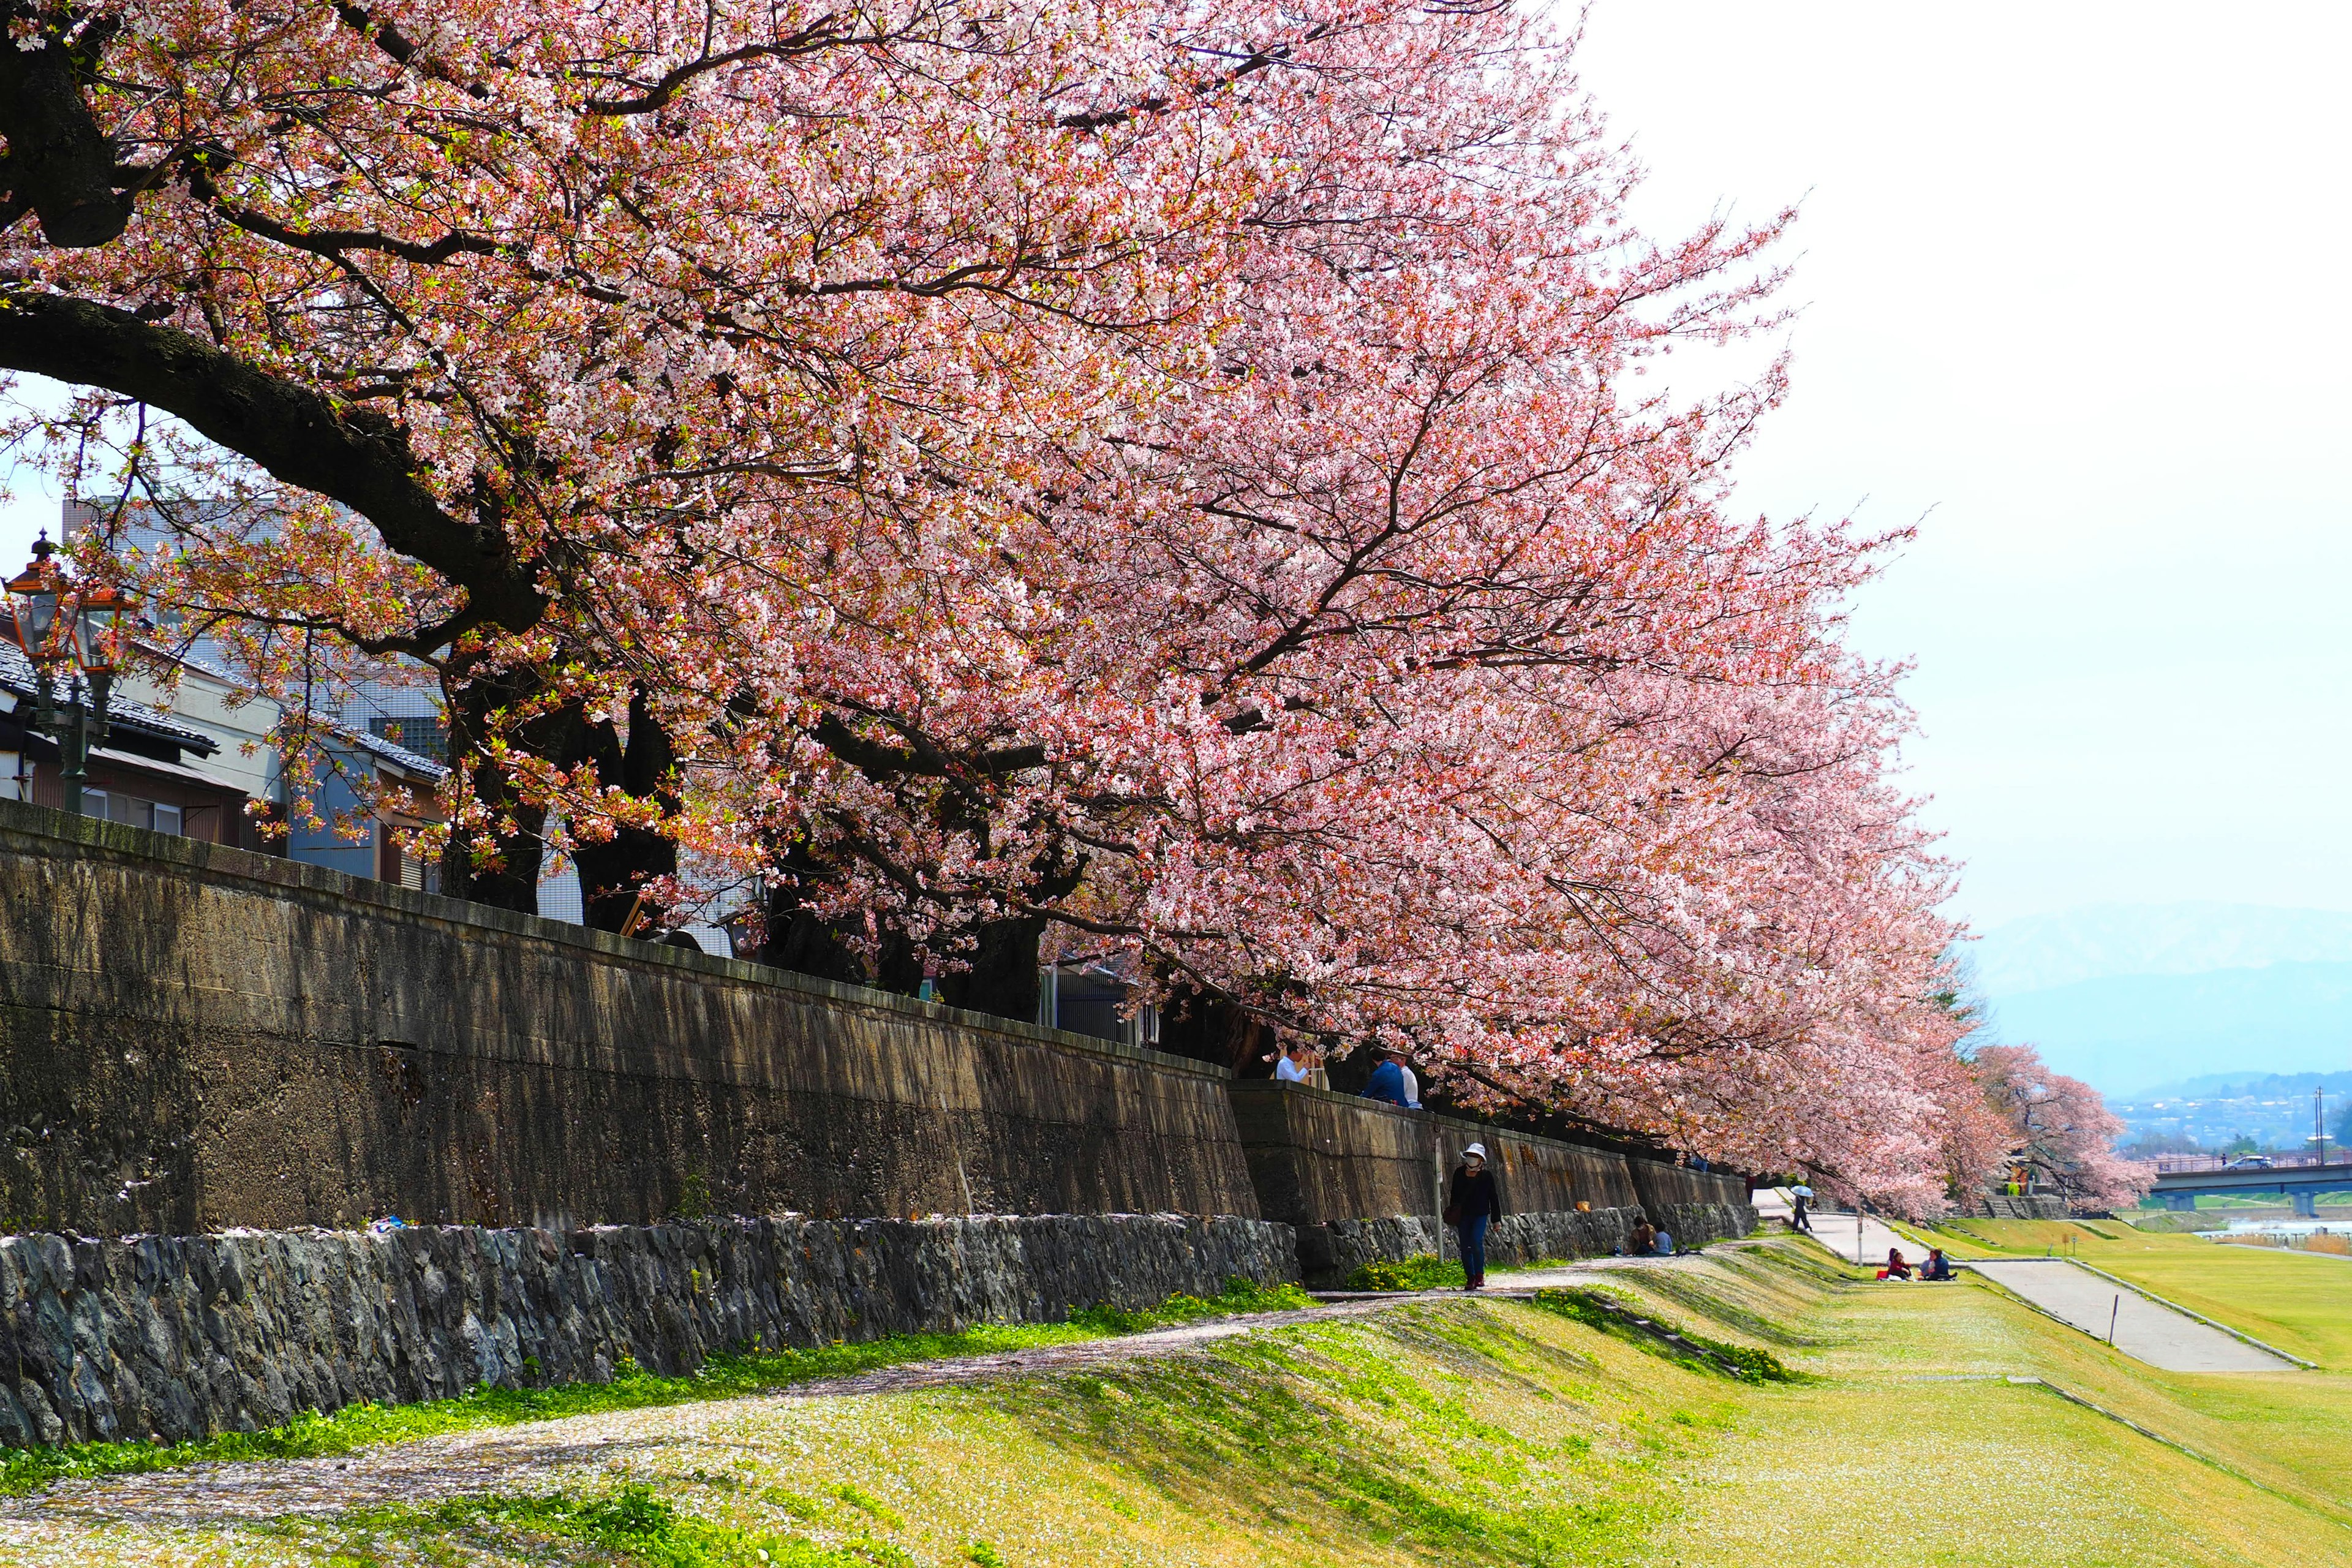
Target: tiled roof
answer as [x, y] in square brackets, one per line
[16, 676]
[394, 753]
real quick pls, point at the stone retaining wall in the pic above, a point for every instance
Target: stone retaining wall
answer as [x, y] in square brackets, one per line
[1329, 1253]
[1316, 1156]
[182, 1337]
[193, 1038]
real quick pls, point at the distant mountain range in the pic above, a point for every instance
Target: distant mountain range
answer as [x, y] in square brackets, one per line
[2134, 997]
[2253, 1086]
[2109, 941]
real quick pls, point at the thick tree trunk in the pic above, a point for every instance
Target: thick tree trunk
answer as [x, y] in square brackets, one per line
[1211, 1029]
[507, 877]
[613, 870]
[799, 940]
[1002, 976]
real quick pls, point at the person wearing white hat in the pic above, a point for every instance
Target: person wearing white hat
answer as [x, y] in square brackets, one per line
[1472, 1202]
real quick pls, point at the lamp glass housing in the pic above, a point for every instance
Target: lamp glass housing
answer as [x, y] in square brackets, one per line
[37, 599]
[97, 616]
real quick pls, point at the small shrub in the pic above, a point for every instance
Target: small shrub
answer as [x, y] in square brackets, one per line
[1614, 1315]
[1239, 1298]
[1419, 1272]
[694, 1197]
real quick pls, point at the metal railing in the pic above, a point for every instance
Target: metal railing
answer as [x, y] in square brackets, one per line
[2177, 1165]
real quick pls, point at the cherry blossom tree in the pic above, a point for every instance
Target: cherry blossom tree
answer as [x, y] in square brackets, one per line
[562, 300]
[2060, 1128]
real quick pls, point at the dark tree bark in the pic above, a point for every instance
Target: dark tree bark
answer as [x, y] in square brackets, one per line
[1001, 978]
[804, 943]
[60, 164]
[612, 871]
[1212, 1029]
[508, 876]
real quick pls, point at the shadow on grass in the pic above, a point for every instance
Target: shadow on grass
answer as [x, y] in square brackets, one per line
[721, 1376]
[1369, 1433]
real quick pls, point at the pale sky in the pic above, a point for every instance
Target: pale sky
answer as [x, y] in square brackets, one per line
[2070, 287]
[2069, 283]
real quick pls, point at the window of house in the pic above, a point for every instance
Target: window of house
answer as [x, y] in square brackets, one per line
[116, 806]
[419, 875]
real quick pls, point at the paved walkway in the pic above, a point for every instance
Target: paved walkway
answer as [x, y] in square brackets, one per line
[1861, 1238]
[2146, 1329]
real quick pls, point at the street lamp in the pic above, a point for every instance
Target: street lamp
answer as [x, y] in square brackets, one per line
[80, 631]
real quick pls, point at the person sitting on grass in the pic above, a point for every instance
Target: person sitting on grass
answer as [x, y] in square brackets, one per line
[1897, 1268]
[1937, 1265]
[1643, 1239]
[1665, 1247]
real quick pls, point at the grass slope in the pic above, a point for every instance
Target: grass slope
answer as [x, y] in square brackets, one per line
[724, 1376]
[1455, 1432]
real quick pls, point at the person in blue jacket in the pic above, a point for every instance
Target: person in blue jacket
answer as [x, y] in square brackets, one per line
[1389, 1084]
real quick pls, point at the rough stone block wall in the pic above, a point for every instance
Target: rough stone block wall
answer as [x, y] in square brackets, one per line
[182, 1337]
[193, 1038]
[1329, 1253]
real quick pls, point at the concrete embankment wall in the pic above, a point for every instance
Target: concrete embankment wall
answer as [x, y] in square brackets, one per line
[182, 1337]
[1364, 1181]
[193, 1038]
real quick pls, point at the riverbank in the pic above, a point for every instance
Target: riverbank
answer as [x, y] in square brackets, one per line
[1433, 1429]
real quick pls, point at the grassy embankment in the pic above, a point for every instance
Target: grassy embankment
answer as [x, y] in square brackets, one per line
[358, 1427]
[2299, 1302]
[1447, 1431]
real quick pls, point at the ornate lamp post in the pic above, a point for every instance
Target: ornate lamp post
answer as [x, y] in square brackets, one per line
[62, 629]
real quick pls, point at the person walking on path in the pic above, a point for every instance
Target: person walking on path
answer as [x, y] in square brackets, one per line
[1799, 1217]
[1472, 1202]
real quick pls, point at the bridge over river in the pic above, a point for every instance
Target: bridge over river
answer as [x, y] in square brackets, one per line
[2180, 1182]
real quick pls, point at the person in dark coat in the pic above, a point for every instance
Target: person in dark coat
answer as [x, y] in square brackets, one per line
[1472, 1202]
